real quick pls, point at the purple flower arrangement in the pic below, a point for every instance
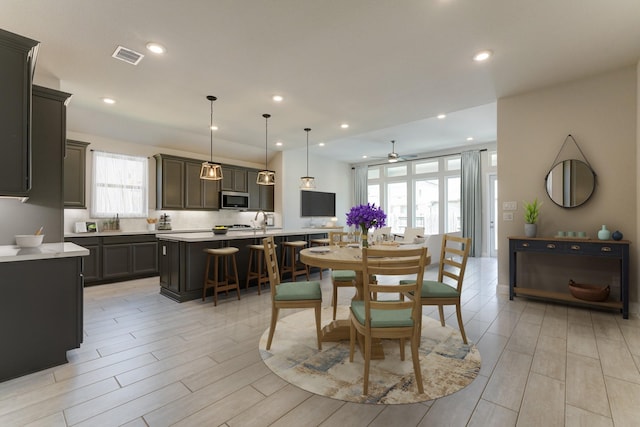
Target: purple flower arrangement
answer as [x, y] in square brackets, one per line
[366, 216]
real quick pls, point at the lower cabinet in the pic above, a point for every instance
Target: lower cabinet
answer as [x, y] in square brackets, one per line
[41, 311]
[118, 258]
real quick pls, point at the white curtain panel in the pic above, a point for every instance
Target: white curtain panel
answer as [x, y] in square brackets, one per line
[119, 186]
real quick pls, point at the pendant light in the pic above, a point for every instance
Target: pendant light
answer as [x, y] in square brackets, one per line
[266, 177]
[210, 170]
[307, 182]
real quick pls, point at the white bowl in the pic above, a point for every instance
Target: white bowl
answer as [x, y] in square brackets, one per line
[29, 240]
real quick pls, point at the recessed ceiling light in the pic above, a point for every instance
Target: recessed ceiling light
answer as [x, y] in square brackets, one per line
[214, 127]
[470, 138]
[156, 48]
[109, 101]
[364, 157]
[277, 98]
[483, 55]
[279, 144]
[442, 116]
[344, 125]
[321, 144]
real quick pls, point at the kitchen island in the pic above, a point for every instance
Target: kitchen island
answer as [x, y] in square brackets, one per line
[182, 258]
[41, 306]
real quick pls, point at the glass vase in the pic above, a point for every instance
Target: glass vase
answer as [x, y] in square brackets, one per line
[364, 236]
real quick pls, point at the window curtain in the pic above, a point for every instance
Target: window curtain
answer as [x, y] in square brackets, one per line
[360, 185]
[471, 202]
[119, 186]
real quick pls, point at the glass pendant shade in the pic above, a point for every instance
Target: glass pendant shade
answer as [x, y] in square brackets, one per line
[307, 182]
[210, 170]
[266, 177]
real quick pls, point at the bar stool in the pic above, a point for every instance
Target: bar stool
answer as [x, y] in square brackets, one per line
[319, 242]
[291, 248]
[215, 283]
[258, 271]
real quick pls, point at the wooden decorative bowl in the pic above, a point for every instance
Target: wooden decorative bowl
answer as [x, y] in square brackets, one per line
[589, 292]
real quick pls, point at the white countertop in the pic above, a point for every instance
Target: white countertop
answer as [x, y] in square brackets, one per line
[235, 234]
[11, 253]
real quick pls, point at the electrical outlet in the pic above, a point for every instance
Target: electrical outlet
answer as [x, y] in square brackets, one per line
[509, 206]
[507, 216]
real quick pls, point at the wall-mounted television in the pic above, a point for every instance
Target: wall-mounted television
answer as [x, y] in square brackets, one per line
[317, 203]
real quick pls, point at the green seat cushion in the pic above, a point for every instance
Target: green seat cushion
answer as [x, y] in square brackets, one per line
[295, 291]
[343, 275]
[383, 318]
[435, 289]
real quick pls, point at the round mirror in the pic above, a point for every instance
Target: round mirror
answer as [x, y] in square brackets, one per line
[570, 183]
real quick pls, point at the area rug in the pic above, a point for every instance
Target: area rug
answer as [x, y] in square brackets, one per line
[448, 365]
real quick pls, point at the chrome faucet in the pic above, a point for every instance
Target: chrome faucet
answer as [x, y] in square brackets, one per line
[264, 220]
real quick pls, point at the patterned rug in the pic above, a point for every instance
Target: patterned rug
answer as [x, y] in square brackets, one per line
[448, 365]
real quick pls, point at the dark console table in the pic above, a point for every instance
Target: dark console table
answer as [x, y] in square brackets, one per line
[589, 249]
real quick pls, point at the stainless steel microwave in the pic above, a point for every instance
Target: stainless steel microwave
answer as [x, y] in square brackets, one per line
[234, 200]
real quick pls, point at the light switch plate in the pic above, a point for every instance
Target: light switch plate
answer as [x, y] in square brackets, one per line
[507, 216]
[509, 206]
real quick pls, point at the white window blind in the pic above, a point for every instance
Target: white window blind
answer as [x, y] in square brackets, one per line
[119, 186]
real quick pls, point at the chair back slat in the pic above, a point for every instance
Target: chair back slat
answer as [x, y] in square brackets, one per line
[453, 259]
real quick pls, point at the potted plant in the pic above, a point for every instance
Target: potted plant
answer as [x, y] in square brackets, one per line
[531, 213]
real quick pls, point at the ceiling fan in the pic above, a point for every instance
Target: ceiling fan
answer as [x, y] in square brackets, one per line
[394, 157]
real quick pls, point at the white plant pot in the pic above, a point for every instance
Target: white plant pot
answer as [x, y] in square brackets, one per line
[530, 230]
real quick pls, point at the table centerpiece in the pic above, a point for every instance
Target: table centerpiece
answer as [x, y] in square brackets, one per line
[366, 217]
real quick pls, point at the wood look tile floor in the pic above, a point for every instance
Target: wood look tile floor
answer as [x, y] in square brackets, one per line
[149, 361]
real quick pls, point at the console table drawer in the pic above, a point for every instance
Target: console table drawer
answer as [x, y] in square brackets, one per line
[603, 249]
[540, 246]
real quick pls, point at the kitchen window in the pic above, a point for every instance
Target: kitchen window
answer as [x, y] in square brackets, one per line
[119, 186]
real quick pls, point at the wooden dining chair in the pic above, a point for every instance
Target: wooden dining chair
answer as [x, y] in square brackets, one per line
[339, 278]
[389, 318]
[448, 288]
[290, 294]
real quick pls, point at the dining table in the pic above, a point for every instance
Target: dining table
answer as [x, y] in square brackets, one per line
[348, 257]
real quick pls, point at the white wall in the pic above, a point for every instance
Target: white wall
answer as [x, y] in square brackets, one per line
[330, 176]
[601, 113]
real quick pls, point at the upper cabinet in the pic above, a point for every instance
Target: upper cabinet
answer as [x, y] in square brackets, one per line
[178, 185]
[260, 196]
[17, 61]
[234, 179]
[199, 193]
[75, 171]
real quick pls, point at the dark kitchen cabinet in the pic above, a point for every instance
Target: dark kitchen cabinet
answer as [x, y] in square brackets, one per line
[260, 196]
[169, 265]
[169, 182]
[17, 62]
[129, 256]
[75, 175]
[118, 258]
[179, 187]
[41, 312]
[234, 179]
[93, 262]
[199, 193]
[48, 133]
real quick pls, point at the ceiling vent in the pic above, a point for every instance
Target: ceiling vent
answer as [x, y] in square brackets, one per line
[127, 55]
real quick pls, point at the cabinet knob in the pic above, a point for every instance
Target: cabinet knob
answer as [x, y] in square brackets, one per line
[551, 245]
[575, 247]
[525, 245]
[605, 249]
